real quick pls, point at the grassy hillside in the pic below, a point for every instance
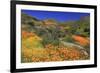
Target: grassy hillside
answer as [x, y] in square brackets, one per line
[42, 39]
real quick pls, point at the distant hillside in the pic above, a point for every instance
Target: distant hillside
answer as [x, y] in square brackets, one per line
[51, 29]
[26, 18]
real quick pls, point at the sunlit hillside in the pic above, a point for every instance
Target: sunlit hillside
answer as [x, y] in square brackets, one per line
[51, 40]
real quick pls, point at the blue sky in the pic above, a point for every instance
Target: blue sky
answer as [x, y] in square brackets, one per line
[58, 16]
